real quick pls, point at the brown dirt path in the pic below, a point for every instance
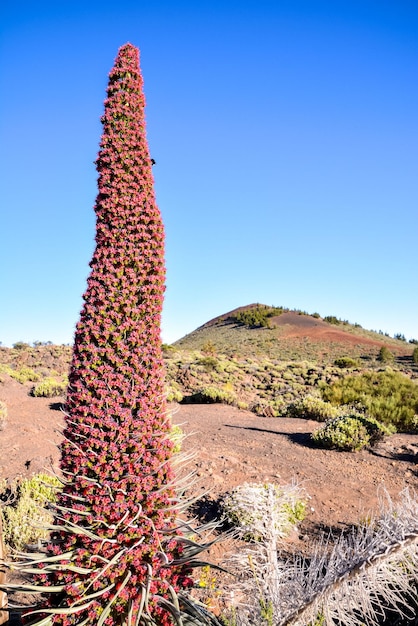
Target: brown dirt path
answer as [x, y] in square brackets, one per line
[29, 441]
[234, 446]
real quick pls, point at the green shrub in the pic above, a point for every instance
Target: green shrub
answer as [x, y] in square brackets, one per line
[174, 393]
[26, 518]
[415, 355]
[50, 388]
[210, 394]
[256, 317]
[176, 435]
[331, 319]
[6, 369]
[3, 414]
[246, 505]
[312, 408]
[385, 355]
[209, 363]
[350, 432]
[21, 345]
[24, 375]
[346, 361]
[209, 348]
[390, 397]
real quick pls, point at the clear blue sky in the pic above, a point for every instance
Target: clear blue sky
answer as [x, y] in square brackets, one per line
[285, 134]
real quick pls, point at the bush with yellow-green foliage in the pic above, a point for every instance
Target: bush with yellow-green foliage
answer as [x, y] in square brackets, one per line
[210, 363]
[346, 362]
[176, 435]
[385, 355]
[25, 516]
[5, 369]
[22, 375]
[311, 407]
[50, 388]
[389, 396]
[209, 348]
[211, 395]
[3, 414]
[351, 432]
[173, 392]
[415, 355]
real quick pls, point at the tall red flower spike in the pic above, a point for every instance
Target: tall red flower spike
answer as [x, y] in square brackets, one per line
[118, 556]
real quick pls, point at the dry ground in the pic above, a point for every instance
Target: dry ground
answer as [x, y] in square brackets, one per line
[232, 447]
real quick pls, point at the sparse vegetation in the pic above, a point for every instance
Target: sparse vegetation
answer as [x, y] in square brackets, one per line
[241, 341]
[267, 385]
[41, 359]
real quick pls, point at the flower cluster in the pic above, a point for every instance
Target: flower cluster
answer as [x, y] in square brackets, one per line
[115, 520]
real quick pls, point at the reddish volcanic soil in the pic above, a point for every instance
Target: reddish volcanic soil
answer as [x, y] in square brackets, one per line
[317, 329]
[232, 447]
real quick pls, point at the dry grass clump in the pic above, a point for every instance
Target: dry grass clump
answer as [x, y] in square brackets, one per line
[361, 578]
[245, 507]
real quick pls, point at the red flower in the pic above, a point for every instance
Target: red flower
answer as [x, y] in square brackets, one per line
[116, 417]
